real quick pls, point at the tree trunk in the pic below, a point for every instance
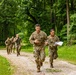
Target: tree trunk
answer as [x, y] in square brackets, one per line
[51, 11]
[68, 20]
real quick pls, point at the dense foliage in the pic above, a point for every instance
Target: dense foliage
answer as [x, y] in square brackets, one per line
[20, 16]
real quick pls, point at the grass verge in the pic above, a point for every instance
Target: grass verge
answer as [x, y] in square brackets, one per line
[68, 53]
[2, 47]
[5, 68]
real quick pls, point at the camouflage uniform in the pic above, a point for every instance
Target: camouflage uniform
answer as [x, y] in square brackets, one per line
[8, 43]
[18, 45]
[39, 49]
[14, 46]
[12, 43]
[52, 48]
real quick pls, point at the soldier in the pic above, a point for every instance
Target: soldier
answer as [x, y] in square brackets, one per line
[51, 39]
[12, 43]
[7, 43]
[38, 38]
[14, 46]
[18, 44]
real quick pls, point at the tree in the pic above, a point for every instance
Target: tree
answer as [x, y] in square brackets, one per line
[8, 18]
[68, 20]
[20, 16]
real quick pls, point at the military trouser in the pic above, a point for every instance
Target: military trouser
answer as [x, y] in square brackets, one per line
[53, 55]
[14, 48]
[18, 48]
[39, 54]
[8, 49]
[11, 48]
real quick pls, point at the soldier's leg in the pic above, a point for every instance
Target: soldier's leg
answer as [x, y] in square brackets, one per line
[37, 55]
[14, 47]
[51, 59]
[10, 48]
[37, 64]
[55, 54]
[19, 49]
[42, 56]
[7, 49]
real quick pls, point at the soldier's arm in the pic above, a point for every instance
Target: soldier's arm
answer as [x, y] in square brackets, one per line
[46, 42]
[15, 39]
[6, 42]
[57, 40]
[31, 39]
[45, 36]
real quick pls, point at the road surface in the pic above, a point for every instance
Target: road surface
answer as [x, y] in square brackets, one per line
[25, 65]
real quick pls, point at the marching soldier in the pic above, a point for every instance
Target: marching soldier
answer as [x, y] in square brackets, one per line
[8, 43]
[38, 38]
[18, 44]
[51, 39]
[12, 43]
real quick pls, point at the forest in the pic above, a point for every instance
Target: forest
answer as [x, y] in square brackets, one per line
[20, 17]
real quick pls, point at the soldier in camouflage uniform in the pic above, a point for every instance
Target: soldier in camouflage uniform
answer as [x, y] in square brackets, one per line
[12, 43]
[38, 38]
[8, 43]
[14, 46]
[18, 44]
[51, 39]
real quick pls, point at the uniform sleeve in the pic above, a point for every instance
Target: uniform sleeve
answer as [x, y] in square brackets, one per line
[31, 39]
[5, 42]
[47, 41]
[45, 36]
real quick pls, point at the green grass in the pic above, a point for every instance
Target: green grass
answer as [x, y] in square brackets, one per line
[27, 49]
[5, 68]
[67, 53]
[2, 47]
[53, 70]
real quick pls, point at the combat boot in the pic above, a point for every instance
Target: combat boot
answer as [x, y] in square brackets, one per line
[38, 69]
[17, 54]
[51, 65]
